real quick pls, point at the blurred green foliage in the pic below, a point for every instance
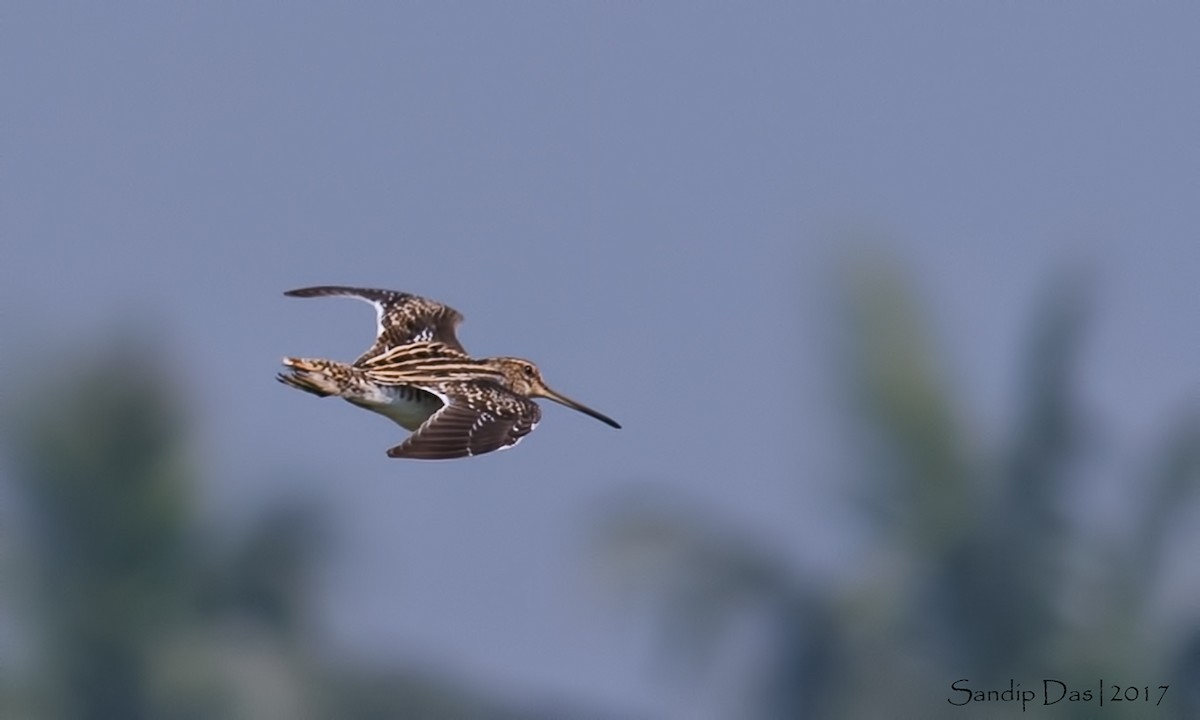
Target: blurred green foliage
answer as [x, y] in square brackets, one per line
[975, 567]
[125, 605]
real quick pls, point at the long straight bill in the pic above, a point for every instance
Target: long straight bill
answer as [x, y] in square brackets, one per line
[564, 400]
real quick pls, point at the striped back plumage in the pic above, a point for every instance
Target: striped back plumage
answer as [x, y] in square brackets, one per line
[427, 364]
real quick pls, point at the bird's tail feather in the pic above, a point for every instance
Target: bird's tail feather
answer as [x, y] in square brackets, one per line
[319, 377]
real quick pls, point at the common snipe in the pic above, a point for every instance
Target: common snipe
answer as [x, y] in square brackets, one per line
[418, 374]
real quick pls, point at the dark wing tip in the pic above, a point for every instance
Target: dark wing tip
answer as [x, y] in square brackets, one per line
[321, 290]
[410, 453]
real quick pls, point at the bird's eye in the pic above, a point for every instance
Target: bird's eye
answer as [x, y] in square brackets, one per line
[528, 370]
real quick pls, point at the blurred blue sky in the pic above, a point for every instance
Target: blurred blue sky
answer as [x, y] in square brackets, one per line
[647, 199]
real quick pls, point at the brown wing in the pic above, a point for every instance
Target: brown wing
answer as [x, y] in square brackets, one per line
[472, 422]
[401, 318]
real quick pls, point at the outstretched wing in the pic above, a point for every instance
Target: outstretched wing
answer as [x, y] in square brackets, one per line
[402, 318]
[471, 422]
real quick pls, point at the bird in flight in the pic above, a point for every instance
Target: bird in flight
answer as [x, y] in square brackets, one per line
[418, 374]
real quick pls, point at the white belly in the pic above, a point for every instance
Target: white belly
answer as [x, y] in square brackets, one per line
[407, 407]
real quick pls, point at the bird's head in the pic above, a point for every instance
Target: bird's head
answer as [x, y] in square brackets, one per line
[523, 378]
